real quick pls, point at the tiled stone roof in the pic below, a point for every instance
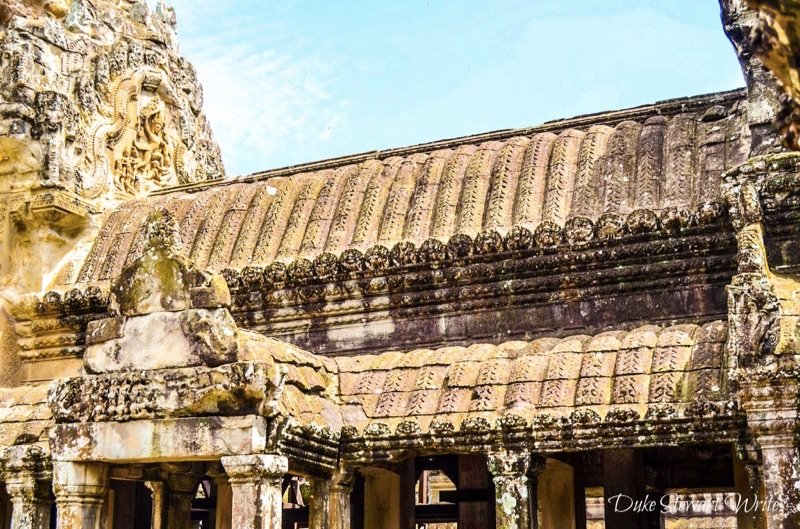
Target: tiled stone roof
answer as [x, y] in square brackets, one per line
[618, 373]
[670, 155]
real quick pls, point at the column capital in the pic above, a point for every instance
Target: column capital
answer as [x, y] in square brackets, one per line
[256, 487]
[255, 467]
[81, 489]
[27, 475]
[507, 463]
[80, 482]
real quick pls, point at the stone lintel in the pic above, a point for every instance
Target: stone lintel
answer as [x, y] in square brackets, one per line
[159, 440]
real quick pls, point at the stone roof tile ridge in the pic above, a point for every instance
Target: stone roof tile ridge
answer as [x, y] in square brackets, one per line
[582, 121]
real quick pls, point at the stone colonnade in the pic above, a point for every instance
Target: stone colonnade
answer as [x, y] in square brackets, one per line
[526, 496]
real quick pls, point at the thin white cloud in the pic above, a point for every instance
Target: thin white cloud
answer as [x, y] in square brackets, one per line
[259, 99]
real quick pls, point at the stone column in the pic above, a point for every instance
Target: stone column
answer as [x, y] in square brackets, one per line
[770, 400]
[623, 483]
[781, 475]
[28, 483]
[473, 474]
[381, 499]
[556, 496]
[81, 490]
[157, 497]
[224, 503]
[256, 486]
[749, 485]
[330, 502]
[515, 475]
[180, 492]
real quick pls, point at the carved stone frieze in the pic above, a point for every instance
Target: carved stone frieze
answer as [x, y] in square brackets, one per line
[95, 99]
[239, 388]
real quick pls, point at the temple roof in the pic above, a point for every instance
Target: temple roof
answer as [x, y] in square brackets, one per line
[613, 374]
[666, 155]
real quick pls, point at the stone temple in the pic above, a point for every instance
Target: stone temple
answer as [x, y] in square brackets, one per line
[529, 328]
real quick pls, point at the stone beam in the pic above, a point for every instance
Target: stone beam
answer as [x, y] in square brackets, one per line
[186, 439]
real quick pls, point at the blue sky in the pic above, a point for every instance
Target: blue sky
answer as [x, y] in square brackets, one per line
[292, 81]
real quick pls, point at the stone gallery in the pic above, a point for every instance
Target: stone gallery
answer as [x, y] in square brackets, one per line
[583, 324]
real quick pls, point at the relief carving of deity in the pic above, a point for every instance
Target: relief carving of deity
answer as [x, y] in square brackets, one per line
[149, 157]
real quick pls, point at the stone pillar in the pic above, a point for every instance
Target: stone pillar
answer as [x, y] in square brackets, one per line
[556, 496]
[473, 474]
[224, 503]
[158, 496]
[749, 486]
[180, 491]
[781, 475]
[28, 483]
[515, 475]
[623, 483]
[770, 400]
[256, 489]
[381, 499]
[330, 502]
[408, 498]
[81, 490]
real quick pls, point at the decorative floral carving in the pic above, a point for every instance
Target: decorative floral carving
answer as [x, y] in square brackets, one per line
[642, 221]
[407, 428]
[661, 411]
[460, 246]
[519, 239]
[404, 254]
[377, 258]
[584, 417]
[488, 242]
[232, 389]
[578, 230]
[676, 219]
[275, 274]
[699, 409]
[433, 251]
[299, 270]
[622, 415]
[610, 226]
[353, 261]
[475, 424]
[325, 266]
[377, 429]
[548, 233]
[440, 426]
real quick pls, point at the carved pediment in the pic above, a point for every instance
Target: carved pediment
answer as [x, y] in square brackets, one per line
[95, 98]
